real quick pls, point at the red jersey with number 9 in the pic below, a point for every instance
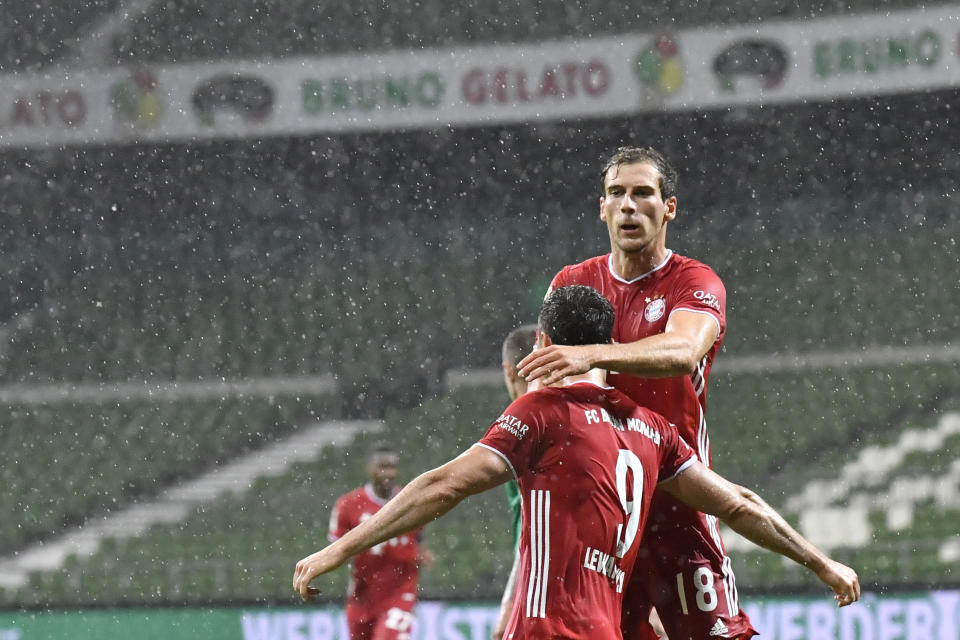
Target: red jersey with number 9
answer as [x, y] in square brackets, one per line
[587, 459]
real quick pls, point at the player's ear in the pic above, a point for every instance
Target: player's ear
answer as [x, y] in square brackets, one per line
[603, 216]
[671, 213]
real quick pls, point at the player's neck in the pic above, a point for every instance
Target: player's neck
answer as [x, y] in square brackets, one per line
[384, 493]
[631, 265]
[595, 376]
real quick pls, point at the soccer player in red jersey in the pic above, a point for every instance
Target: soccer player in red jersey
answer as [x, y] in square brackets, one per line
[383, 583]
[587, 459]
[670, 324]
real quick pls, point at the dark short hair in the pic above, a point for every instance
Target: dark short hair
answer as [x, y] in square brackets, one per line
[649, 155]
[377, 448]
[577, 315]
[519, 343]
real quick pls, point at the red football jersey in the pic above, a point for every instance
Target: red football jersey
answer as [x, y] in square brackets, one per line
[389, 571]
[587, 460]
[643, 306]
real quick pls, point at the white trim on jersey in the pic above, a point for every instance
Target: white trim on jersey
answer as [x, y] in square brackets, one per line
[706, 313]
[703, 442]
[731, 583]
[699, 379]
[683, 467]
[730, 587]
[589, 382]
[638, 278]
[545, 574]
[539, 553]
[499, 453]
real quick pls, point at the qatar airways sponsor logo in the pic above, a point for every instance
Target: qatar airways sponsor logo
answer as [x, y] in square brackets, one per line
[708, 299]
[512, 425]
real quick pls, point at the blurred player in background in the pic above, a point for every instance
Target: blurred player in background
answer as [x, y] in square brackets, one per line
[383, 582]
[518, 344]
[671, 319]
[587, 460]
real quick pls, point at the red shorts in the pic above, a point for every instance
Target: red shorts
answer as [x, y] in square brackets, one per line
[685, 573]
[392, 620]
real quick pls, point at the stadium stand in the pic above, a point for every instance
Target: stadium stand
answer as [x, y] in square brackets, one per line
[242, 548]
[104, 455]
[328, 257]
[35, 34]
[889, 509]
[183, 31]
[823, 414]
[250, 542]
[388, 258]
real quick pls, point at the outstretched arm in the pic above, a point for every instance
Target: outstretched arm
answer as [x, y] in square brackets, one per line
[675, 352]
[747, 514]
[426, 498]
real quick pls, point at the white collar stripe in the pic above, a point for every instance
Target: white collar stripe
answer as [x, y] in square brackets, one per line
[655, 269]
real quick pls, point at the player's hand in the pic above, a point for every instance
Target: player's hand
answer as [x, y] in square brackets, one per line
[556, 362]
[323, 561]
[843, 580]
[657, 625]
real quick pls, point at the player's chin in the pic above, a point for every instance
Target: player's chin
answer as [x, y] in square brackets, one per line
[632, 245]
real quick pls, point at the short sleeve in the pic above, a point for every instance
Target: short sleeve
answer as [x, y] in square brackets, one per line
[702, 291]
[338, 525]
[559, 280]
[516, 436]
[675, 454]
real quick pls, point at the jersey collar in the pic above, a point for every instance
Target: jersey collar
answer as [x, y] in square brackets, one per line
[655, 269]
[592, 384]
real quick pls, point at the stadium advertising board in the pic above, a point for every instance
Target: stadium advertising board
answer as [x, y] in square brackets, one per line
[933, 615]
[770, 62]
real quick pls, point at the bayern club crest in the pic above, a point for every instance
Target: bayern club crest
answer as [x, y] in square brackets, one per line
[654, 310]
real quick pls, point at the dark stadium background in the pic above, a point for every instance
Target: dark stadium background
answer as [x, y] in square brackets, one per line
[171, 307]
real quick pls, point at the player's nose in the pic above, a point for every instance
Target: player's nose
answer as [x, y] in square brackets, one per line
[627, 205]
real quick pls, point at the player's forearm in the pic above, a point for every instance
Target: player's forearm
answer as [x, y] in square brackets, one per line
[664, 355]
[757, 521]
[423, 500]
